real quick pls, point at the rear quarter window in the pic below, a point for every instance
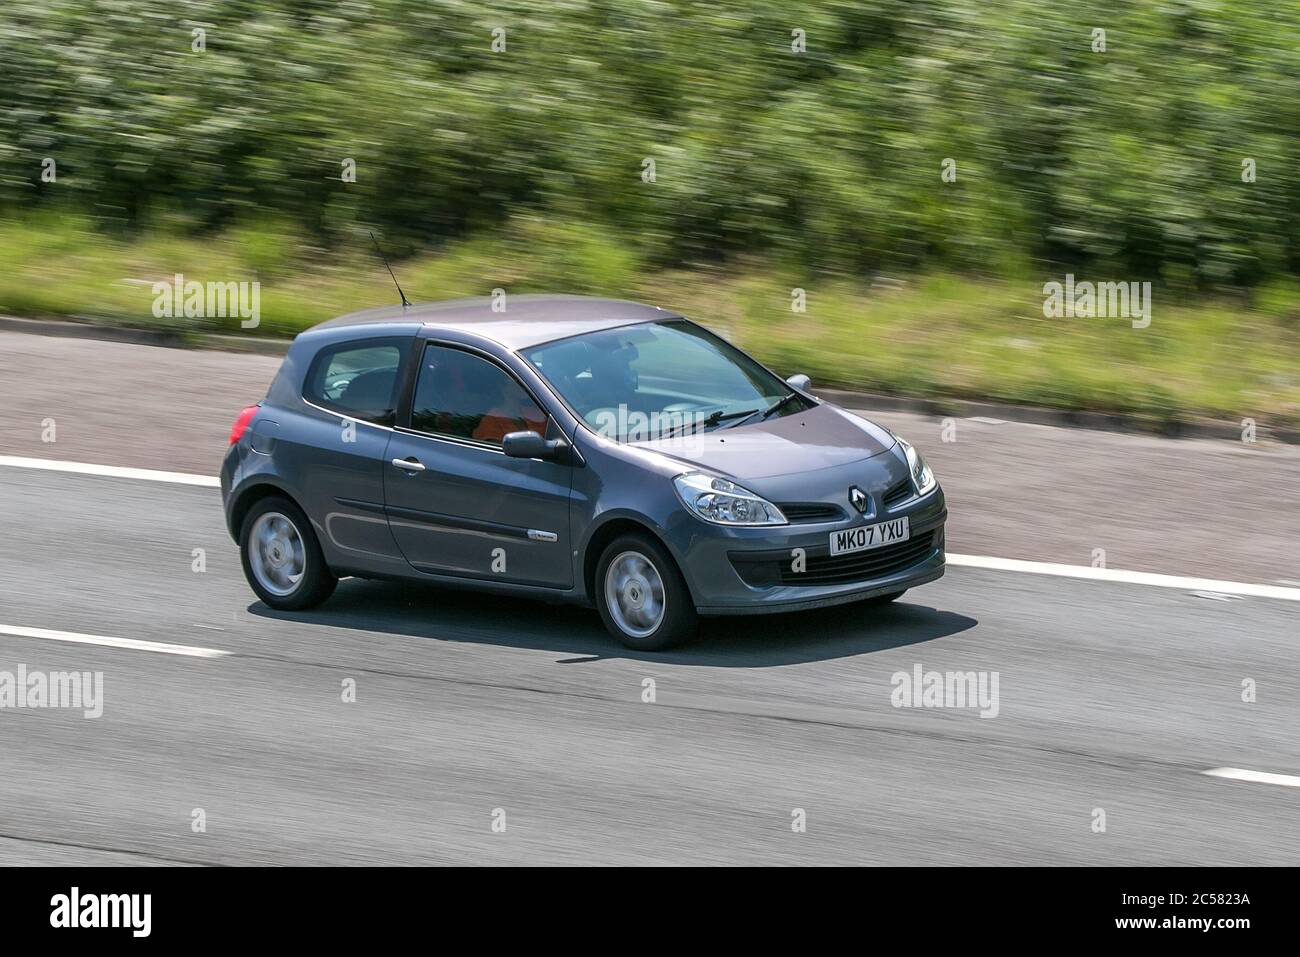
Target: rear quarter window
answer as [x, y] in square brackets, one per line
[359, 379]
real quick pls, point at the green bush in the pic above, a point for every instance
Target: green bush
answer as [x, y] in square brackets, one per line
[828, 160]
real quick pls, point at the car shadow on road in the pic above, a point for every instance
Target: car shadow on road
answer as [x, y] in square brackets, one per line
[751, 641]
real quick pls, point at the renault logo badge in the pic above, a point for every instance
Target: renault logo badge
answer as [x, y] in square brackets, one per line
[859, 499]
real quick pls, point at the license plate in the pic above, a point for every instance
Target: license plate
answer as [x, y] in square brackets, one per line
[870, 536]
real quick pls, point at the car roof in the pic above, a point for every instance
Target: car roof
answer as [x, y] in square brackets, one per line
[524, 321]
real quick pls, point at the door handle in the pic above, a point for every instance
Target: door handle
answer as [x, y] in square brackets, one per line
[412, 465]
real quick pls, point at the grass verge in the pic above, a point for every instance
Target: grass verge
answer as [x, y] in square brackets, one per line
[927, 336]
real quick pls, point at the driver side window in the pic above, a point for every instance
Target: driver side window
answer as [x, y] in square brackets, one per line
[464, 396]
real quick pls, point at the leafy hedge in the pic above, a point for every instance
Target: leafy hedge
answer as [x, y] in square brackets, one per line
[1128, 160]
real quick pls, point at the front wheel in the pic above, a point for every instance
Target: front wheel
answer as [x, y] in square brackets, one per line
[641, 596]
[281, 557]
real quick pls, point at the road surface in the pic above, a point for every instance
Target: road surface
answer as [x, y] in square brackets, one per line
[1113, 698]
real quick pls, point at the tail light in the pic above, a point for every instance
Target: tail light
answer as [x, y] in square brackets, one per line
[241, 424]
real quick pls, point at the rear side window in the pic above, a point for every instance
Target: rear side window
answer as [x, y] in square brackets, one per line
[463, 396]
[358, 379]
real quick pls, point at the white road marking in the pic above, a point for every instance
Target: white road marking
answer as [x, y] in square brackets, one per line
[1255, 777]
[111, 471]
[132, 644]
[1128, 577]
[970, 561]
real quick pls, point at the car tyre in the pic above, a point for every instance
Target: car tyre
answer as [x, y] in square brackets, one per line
[282, 557]
[641, 595]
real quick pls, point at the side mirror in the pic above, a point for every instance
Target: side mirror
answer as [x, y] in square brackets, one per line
[800, 382]
[530, 445]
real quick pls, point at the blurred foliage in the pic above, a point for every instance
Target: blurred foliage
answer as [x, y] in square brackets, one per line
[827, 161]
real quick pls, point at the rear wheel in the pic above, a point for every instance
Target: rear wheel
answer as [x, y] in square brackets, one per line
[281, 556]
[641, 596]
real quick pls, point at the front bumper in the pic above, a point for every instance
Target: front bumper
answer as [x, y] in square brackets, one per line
[789, 568]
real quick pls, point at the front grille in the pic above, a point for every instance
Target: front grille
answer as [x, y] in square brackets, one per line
[897, 494]
[800, 512]
[822, 568]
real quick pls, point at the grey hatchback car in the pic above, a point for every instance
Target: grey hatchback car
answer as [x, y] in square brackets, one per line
[571, 449]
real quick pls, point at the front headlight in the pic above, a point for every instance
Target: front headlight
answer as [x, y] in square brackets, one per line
[922, 476]
[725, 503]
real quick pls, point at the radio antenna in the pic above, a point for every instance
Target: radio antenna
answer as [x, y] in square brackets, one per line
[405, 304]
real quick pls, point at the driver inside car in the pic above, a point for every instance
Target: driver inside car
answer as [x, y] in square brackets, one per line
[513, 411]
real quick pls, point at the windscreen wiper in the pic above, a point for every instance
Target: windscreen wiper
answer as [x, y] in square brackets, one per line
[712, 419]
[779, 404]
[772, 409]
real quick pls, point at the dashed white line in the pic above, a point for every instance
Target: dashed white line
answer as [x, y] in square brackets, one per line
[1254, 777]
[132, 644]
[1125, 576]
[110, 471]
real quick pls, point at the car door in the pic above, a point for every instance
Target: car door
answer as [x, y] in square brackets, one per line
[456, 503]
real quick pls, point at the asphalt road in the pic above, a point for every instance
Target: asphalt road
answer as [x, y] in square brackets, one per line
[1111, 697]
